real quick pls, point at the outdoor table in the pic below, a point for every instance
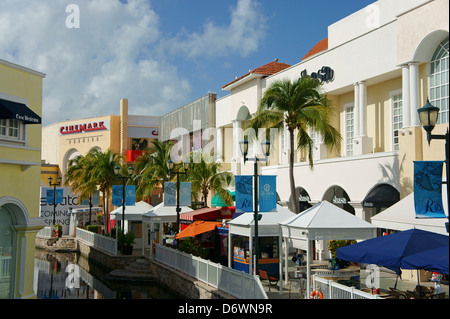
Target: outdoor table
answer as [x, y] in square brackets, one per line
[336, 274]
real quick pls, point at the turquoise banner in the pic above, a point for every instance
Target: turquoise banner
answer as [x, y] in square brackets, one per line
[170, 189]
[428, 189]
[267, 193]
[185, 194]
[130, 195]
[244, 193]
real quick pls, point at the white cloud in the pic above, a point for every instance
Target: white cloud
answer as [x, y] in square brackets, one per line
[118, 52]
[242, 36]
[91, 68]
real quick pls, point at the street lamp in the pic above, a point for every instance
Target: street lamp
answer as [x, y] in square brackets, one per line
[428, 115]
[50, 180]
[170, 166]
[124, 178]
[266, 149]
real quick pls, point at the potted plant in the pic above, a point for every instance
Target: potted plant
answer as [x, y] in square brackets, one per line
[126, 242]
[57, 230]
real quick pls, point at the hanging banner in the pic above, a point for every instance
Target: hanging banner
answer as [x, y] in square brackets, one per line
[185, 194]
[130, 195]
[58, 197]
[267, 193]
[428, 189]
[244, 193]
[170, 189]
[95, 199]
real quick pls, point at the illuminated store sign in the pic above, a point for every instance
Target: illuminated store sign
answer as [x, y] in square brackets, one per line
[325, 74]
[85, 127]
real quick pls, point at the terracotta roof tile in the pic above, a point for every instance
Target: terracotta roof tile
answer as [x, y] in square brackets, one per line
[267, 69]
[319, 47]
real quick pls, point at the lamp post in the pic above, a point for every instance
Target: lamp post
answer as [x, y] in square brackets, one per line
[266, 149]
[124, 178]
[170, 166]
[50, 180]
[428, 115]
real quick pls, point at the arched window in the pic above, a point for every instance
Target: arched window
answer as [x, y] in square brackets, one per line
[439, 81]
[7, 250]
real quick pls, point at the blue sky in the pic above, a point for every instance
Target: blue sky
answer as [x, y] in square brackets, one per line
[159, 54]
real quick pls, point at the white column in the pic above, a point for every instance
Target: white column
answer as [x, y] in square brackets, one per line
[362, 108]
[219, 145]
[405, 96]
[356, 110]
[414, 92]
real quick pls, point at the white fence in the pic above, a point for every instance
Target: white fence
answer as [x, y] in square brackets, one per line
[98, 241]
[45, 232]
[333, 290]
[233, 282]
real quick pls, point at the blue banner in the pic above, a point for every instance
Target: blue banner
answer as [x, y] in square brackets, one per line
[58, 198]
[170, 189]
[267, 193]
[428, 189]
[185, 194]
[130, 195]
[244, 193]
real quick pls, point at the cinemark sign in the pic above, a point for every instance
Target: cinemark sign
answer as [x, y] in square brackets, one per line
[86, 127]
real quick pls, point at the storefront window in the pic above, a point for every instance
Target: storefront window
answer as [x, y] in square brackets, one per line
[7, 261]
[439, 81]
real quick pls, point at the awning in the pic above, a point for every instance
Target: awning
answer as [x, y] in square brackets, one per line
[383, 195]
[198, 227]
[202, 214]
[218, 201]
[17, 111]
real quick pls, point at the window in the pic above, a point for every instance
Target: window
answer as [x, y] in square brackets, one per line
[439, 81]
[397, 117]
[12, 130]
[349, 130]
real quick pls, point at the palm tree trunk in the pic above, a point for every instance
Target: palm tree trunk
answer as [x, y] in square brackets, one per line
[291, 172]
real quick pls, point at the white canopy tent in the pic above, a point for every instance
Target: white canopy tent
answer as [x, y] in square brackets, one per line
[323, 221]
[132, 212]
[161, 214]
[401, 216]
[244, 225]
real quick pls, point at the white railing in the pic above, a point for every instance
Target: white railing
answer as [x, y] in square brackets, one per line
[45, 232]
[333, 290]
[98, 241]
[235, 283]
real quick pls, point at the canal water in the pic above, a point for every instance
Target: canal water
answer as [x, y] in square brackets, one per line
[64, 276]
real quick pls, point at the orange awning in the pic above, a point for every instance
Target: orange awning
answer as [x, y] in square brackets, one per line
[198, 227]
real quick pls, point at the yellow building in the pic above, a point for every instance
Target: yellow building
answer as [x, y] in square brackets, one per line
[20, 161]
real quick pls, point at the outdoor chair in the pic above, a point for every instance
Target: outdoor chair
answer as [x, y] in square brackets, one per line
[438, 296]
[423, 292]
[398, 294]
[272, 279]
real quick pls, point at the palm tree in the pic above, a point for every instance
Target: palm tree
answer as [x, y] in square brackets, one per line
[151, 168]
[301, 105]
[207, 176]
[101, 166]
[78, 178]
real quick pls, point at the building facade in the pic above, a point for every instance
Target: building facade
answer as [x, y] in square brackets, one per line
[20, 160]
[125, 134]
[378, 66]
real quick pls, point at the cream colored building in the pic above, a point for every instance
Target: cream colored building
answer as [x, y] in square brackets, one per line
[380, 64]
[123, 133]
[20, 160]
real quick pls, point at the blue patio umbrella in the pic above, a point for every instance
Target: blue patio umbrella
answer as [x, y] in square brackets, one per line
[432, 260]
[217, 200]
[389, 251]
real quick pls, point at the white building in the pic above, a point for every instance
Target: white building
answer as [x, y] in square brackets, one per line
[380, 63]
